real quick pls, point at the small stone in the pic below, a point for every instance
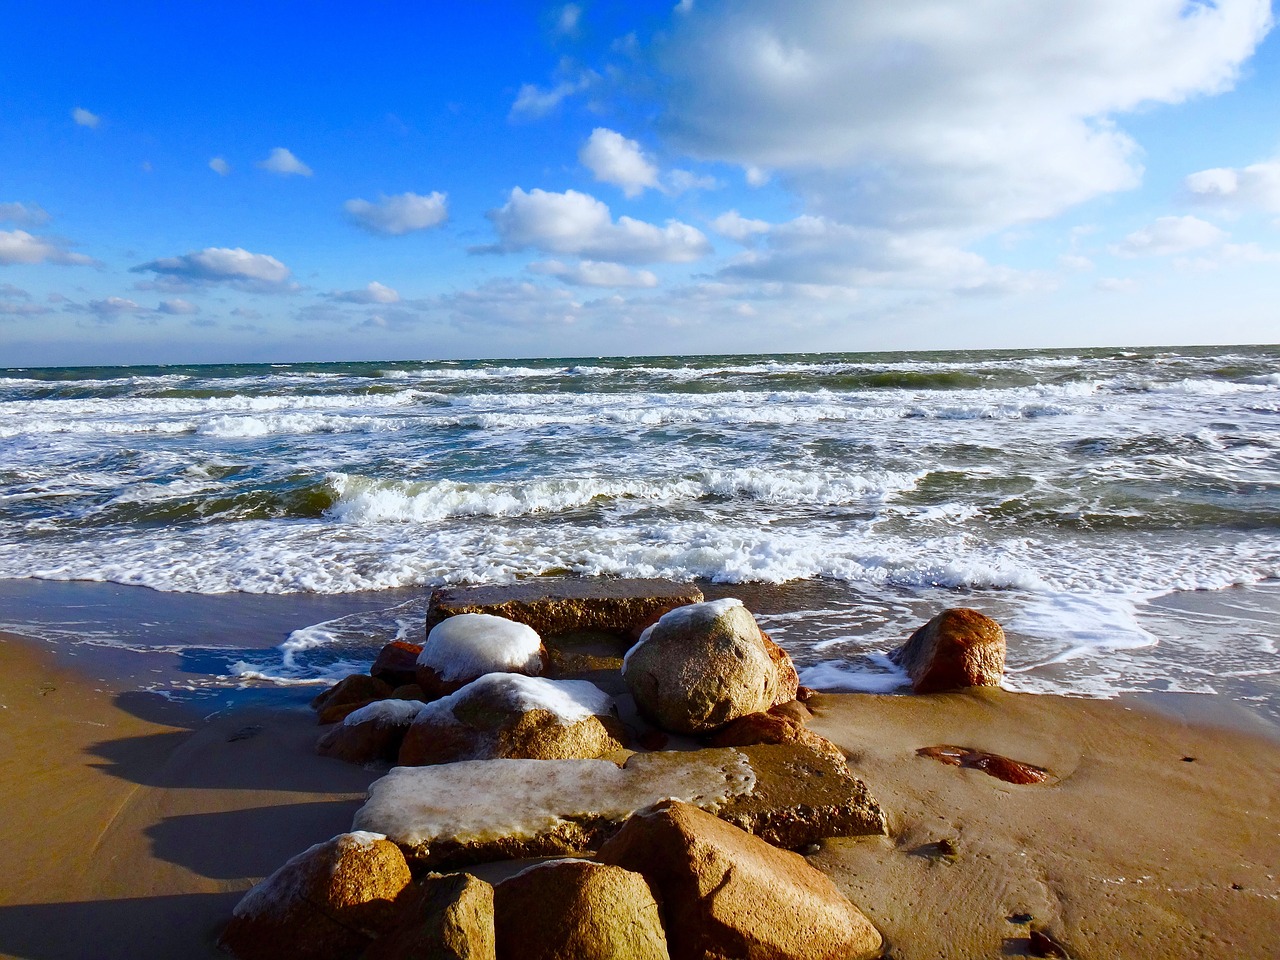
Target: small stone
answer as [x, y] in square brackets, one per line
[992, 764]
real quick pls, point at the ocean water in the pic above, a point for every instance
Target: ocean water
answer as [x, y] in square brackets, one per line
[1118, 511]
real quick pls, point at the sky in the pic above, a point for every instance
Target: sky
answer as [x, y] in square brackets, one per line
[276, 182]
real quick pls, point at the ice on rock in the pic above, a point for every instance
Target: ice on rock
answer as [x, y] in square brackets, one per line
[472, 644]
[569, 700]
[392, 713]
[707, 611]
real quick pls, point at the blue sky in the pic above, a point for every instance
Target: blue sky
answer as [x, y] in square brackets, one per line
[309, 181]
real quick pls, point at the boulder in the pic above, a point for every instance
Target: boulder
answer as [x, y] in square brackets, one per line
[358, 689]
[578, 910]
[370, 734]
[788, 678]
[703, 665]
[775, 726]
[397, 663]
[727, 894]
[466, 647]
[443, 918]
[956, 649]
[478, 811]
[556, 606]
[510, 715]
[327, 903]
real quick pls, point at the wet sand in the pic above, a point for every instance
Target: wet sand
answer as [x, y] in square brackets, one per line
[132, 825]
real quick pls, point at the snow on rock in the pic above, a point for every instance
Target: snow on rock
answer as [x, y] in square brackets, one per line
[469, 645]
[396, 713]
[569, 700]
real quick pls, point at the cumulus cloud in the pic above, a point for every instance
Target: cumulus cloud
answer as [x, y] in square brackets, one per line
[283, 162]
[177, 307]
[84, 118]
[222, 265]
[1169, 235]
[595, 273]
[612, 158]
[219, 166]
[18, 246]
[935, 114]
[737, 227]
[375, 292]
[580, 225]
[400, 214]
[1255, 188]
[23, 214]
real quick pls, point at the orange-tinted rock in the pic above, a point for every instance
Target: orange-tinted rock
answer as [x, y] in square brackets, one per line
[788, 679]
[327, 903]
[958, 648]
[397, 663]
[992, 764]
[337, 712]
[371, 734]
[443, 918]
[772, 727]
[578, 910]
[727, 894]
[358, 688]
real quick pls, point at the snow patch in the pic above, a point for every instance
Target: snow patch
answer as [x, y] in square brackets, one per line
[473, 644]
[569, 700]
[389, 713]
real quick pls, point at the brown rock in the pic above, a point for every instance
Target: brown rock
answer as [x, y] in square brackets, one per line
[337, 712]
[728, 894]
[772, 727]
[992, 764]
[371, 734]
[702, 666]
[788, 679]
[358, 688]
[513, 716]
[443, 918]
[397, 663]
[956, 649]
[327, 903]
[556, 606]
[408, 691]
[578, 910]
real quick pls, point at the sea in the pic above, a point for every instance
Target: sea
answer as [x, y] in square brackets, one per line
[205, 529]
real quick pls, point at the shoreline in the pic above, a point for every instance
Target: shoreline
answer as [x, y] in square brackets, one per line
[135, 824]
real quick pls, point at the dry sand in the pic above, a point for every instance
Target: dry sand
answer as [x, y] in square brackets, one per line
[130, 827]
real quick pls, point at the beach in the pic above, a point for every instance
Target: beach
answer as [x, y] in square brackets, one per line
[135, 824]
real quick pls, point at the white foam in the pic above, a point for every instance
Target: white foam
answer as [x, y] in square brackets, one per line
[473, 644]
[876, 674]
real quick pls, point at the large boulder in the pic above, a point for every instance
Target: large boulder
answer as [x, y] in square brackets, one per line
[510, 715]
[443, 918]
[578, 910]
[728, 894]
[370, 734]
[466, 647]
[397, 663]
[703, 665]
[556, 606]
[477, 811]
[327, 903]
[956, 649]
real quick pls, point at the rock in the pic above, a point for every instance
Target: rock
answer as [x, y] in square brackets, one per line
[703, 665]
[337, 712]
[787, 794]
[408, 691]
[788, 679]
[556, 606]
[359, 688]
[469, 645]
[992, 764]
[327, 903]
[1041, 944]
[509, 715]
[397, 663]
[444, 918]
[727, 894]
[578, 910]
[372, 733]
[956, 649]
[774, 726]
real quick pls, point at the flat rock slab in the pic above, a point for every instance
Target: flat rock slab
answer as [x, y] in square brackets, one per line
[484, 810]
[556, 606]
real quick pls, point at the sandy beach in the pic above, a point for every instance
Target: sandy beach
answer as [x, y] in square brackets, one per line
[133, 825]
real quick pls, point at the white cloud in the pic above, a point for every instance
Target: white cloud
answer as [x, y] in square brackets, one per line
[969, 117]
[532, 101]
[755, 176]
[177, 307]
[1169, 235]
[1245, 190]
[18, 246]
[681, 181]
[112, 308]
[580, 225]
[400, 214]
[235, 266]
[737, 227]
[1075, 261]
[219, 166]
[283, 162]
[86, 119]
[1116, 285]
[612, 158]
[375, 292]
[24, 215]
[16, 302]
[595, 273]
[569, 19]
